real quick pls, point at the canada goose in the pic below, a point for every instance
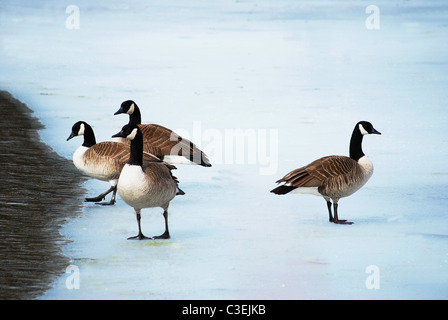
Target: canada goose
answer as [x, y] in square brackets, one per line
[163, 142]
[333, 177]
[103, 161]
[145, 185]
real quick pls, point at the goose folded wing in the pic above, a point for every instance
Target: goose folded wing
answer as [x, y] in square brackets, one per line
[108, 151]
[320, 171]
[162, 141]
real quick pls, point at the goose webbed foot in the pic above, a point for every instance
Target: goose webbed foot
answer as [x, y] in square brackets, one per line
[342, 222]
[110, 203]
[165, 235]
[140, 236]
[95, 199]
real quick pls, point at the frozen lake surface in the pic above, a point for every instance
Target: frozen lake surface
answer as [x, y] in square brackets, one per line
[294, 77]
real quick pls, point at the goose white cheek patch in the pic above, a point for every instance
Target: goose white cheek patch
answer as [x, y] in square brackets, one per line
[132, 135]
[82, 128]
[131, 109]
[363, 131]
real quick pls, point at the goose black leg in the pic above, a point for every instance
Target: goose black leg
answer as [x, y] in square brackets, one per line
[140, 235]
[166, 234]
[336, 219]
[103, 196]
[112, 200]
[329, 211]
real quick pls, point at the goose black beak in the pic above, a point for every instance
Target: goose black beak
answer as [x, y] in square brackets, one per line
[374, 131]
[119, 111]
[119, 135]
[72, 135]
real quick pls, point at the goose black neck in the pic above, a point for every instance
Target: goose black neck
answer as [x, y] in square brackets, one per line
[135, 117]
[89, 136]
[356, 145]
[136, 157]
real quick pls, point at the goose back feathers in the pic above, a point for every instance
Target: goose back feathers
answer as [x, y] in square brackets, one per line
[161, 141]
[331, 176]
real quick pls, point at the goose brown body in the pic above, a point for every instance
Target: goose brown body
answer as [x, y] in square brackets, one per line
[145, 185]
[103, 161]
[161, 141]
[149, 186]
[333, 177]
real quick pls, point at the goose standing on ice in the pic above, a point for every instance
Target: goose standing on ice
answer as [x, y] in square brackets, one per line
[103, 161]
[145, 185]
[163, 142]
[333, 177]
